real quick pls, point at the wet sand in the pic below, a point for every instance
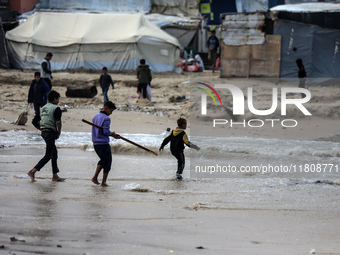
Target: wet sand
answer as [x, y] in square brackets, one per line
[146, 211]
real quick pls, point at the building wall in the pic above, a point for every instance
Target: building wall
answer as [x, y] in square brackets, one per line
[23, 5]
[262, 60]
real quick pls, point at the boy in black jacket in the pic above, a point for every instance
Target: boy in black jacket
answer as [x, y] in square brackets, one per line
[178, 138]
[37, 95]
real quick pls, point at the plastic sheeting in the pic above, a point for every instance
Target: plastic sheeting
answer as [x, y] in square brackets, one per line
[62, 29]
[176, 7]
[317, 47]
[165, 20]
[98, 5]
[92, 41]
[307, 7]
[251, 5]
[168, 7]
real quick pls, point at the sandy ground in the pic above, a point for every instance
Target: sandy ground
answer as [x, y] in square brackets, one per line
[155, 117]
[161, 216]
[143, 117]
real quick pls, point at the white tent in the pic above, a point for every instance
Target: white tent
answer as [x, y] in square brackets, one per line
[91, 41]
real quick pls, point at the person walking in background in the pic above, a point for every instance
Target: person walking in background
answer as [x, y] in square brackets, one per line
[302, 75]
[144, 77]
[38, 96]
[50, 126]
[46, 70]
[213, 45]
[101, 141]
[105, 81]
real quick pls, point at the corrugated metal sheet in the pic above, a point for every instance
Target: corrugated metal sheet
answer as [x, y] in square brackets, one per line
[188, 8]
[243, 29]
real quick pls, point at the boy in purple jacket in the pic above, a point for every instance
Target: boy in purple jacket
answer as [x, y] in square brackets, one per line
[101, 139]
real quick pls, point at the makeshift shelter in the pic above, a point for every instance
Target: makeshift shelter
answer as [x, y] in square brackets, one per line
[310, 32]
[246, 50]
[91, 41]
[130, 6]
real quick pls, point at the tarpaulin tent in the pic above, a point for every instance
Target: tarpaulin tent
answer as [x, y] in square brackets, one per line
[131, 6]
[309, 39]
[167, 7]
[91, 41]
[316, 46]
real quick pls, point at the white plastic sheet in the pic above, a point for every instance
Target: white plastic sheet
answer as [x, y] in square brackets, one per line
[98, 5]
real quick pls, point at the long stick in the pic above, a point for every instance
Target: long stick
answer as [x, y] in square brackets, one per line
[127, 140]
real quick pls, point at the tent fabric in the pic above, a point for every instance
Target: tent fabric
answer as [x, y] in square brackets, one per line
[326, 55]
[251, 5]
[98, 5]
[317, 47]
[166, 20]
[92, 41]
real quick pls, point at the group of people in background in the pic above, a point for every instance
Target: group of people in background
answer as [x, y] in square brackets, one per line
[193, 62]
[40, 87]
[144, 81]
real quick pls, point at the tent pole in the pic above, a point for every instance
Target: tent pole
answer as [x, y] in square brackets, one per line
[78, 52]
[28, 45]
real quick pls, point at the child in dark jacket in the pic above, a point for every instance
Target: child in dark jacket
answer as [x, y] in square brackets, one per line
[301, 74]
[105, 81]
[178, 138]
[37, 95]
